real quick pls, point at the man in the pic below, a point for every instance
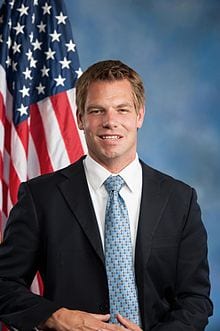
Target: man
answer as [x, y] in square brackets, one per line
[58, 228]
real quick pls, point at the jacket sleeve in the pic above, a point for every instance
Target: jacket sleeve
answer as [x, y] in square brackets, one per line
[191, 305]
[19, 262]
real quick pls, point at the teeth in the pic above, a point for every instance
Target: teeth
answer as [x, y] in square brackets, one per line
[110, 137]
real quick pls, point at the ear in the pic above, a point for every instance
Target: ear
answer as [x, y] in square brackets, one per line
[140, 117]
[79, 120]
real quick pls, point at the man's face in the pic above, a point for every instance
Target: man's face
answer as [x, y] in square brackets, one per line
[110, 123]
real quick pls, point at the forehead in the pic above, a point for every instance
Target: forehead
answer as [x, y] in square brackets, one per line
[101, 91]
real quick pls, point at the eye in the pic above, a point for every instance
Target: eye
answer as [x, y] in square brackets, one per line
[123, 110]
[95, 111]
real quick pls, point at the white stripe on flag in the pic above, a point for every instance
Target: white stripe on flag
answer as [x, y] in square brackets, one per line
[3, 85]
[18, 155]
[33, 167]
[35, 286]
[6, 167]
[2, 137]
[55, 145]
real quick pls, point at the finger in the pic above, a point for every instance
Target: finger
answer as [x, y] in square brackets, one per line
[127, 323]
[101, 317]
[113, 327]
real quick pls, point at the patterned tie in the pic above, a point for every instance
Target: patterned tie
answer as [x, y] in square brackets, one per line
[118, 255]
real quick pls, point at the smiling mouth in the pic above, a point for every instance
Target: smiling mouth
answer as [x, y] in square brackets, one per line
[111, 137]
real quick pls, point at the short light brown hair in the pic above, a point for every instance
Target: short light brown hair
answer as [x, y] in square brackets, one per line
[109, 70]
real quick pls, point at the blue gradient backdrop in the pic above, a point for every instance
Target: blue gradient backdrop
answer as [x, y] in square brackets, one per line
[175, 46]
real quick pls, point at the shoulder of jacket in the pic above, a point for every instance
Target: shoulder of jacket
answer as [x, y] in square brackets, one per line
[164, 178]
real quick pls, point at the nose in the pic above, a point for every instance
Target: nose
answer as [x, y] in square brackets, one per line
[110, 119]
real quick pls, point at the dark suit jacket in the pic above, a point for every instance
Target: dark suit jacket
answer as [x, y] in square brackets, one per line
[53, 229]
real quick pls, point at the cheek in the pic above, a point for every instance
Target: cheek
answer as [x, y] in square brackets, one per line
[131, 125]
[90, 127]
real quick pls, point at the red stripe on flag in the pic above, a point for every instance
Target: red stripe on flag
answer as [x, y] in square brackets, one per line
[2, 194]
[7, 136]
[39, 138]
[13, 184]
[2, 119]
[23, 133]
[5, 197]
[2, 108]
[1, 167]
[40, 283]
[67, 125]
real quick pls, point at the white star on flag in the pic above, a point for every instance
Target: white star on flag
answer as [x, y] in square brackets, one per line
[41, 27]
[27, 74]
[79, 72]
[16, 48]
[29, 54]
[50, 54]
[37, 44]
[24, 91]
[55, 36]
[8, 42]
[33, 63]
[46, 9]
[14, 66]
[60, 80]
[65, 63]
[19, 28]
[23, 10]
[8, 61]
[70, 46]
[45, 71]
[11, 3]
[40, 89]
[33, 18]
[23, 110]
[61, 18]
[31, 36]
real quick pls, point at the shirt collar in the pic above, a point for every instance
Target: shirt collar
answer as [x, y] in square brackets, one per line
[132, 174]
[97, 174]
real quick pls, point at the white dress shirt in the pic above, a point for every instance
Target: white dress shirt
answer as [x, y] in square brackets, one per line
[131, 192]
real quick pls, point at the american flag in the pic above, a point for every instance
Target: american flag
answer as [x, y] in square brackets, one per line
[39, 66]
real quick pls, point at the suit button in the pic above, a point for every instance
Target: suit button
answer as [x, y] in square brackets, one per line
[104, 308]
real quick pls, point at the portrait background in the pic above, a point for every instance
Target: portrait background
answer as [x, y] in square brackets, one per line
[175, 46]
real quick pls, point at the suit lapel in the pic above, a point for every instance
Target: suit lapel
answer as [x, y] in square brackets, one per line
[154, 199]
[76, 193]
[153, 202]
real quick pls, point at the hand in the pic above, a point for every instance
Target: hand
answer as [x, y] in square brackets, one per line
[75, 320]
[128, 324]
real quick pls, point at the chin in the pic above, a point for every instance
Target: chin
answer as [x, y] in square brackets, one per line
[112, 154]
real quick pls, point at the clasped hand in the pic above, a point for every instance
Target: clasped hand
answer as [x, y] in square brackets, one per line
[75, 320]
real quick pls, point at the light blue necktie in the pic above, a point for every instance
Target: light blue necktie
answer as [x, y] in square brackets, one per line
[118, 255]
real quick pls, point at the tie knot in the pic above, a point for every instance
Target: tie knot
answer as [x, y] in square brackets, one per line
[114, 183]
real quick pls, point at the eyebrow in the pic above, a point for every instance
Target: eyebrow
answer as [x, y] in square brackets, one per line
[124, 105]
[97, 106]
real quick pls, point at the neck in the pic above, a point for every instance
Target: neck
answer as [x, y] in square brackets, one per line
[112, 165]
